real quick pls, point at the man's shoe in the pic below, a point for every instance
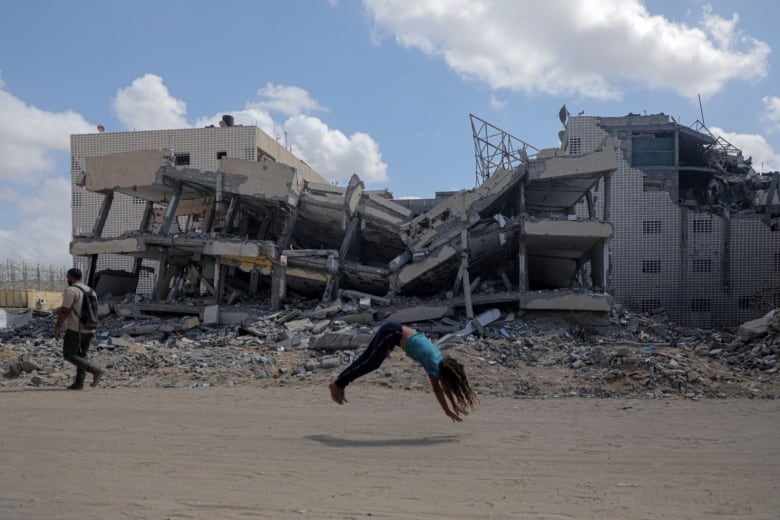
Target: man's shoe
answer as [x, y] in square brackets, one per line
[76, 386]
[97, 375]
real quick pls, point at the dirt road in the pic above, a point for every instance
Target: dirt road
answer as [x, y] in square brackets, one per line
[239, 453]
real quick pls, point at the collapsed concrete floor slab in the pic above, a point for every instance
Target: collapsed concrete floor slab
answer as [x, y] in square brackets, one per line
[259, 228]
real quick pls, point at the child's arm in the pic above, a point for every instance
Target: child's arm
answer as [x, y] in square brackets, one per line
[442, 401]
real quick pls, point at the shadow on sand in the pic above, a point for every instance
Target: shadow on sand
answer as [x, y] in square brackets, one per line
[336, 442]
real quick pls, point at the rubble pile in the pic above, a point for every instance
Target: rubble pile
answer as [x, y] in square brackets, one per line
[509, 354]
[756, 345]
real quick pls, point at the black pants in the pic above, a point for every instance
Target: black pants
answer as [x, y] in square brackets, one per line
[386, 338]
[74, 349]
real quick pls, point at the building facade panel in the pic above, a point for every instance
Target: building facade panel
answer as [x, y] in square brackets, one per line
[702, 268]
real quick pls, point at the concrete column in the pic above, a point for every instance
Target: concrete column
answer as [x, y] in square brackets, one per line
[607, 265]
[97, 232]
[459, 277]
[522, 263]
[105, 208]
[520, 198]
[467, 294]
[243, 225]
[219, 281]
[146, 219]
[278, 286]
[211, 216]
[599, 264]
[591, 207]
[349, 235]
[607, 196]
[287, 229]
[231, 215]
[254, 281]
[170, 213]
[265, 223]
[163, 279]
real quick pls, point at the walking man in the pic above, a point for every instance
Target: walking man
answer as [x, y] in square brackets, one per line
[77, 337]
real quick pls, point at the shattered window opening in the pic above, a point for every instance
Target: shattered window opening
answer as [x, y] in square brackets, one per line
[702, 226]
[701, 265]
[575, 145]
[744, 303]
[220, 155]
[652, 150]
[694, 186]
[651, 227]
[182, 159]
[651, 266]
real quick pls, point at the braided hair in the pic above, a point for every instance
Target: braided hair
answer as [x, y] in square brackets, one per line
[452, 375]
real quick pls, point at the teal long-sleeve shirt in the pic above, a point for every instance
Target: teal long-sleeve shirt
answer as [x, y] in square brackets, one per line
[422, 350]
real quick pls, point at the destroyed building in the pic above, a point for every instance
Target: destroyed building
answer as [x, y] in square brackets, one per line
[196, 148]
[696, 229]
[195, 212]
[641, 209]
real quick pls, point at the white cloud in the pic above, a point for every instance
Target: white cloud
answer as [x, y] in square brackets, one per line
[28, 136]
[590, 48]
[44, 235]
[7, 194]
[765, 159]
[285, 99]
[52, 197]
[246, 116]
[772, 111]
[147, 105]
[722, 30]
[328, 151]
[496, 104]
[334, 155]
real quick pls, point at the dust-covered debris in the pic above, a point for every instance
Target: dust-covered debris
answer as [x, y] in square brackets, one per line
[513, 354]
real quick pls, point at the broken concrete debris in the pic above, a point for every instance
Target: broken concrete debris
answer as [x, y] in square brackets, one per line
[515, 354]
[419, 313]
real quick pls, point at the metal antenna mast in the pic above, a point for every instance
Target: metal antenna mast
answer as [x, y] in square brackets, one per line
[495, 149]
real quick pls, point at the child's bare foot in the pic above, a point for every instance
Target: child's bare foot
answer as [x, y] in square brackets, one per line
[337, 393]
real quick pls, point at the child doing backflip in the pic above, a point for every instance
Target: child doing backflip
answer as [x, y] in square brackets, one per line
[445, 373]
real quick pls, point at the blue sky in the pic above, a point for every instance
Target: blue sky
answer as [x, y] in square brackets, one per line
[382, 88]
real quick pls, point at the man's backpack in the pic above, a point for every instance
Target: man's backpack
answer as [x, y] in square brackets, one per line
[89, 309]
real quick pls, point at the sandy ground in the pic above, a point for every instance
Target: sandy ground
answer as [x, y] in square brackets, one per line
[237, 453]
